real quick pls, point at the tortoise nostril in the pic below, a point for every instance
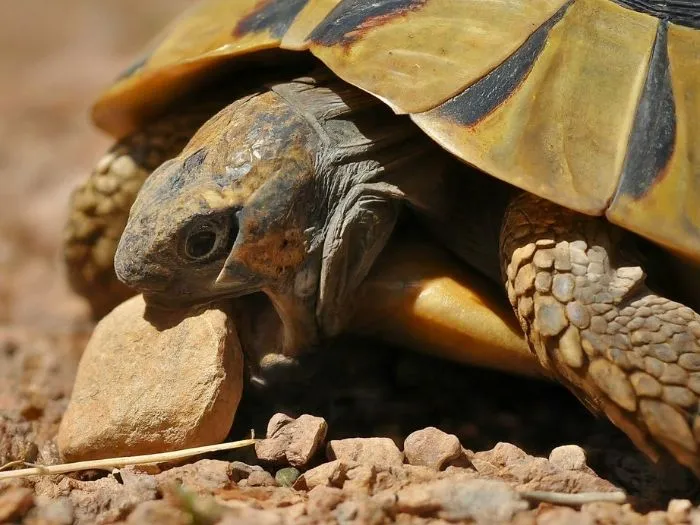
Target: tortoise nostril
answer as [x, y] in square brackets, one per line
[143, 279]
[137, 270]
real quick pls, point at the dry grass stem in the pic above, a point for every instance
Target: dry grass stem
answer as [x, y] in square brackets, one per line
[111, 463]
[573, 500]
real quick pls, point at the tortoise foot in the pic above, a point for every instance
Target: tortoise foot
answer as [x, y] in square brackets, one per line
[591, 320]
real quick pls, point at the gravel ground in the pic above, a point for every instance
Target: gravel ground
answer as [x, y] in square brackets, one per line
[54, 58]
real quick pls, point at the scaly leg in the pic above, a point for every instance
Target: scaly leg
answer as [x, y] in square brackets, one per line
[592, 321]
[100, 207]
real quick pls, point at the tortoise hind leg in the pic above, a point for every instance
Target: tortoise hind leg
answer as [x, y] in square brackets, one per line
[99, 208]
[593, 322]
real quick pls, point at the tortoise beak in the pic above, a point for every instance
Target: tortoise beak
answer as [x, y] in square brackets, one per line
[300, 330]
[236, 280]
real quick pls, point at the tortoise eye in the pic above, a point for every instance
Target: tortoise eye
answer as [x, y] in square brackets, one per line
[201, 244]
[205, 240]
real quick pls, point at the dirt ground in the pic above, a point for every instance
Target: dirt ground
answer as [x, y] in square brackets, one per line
[54, 59]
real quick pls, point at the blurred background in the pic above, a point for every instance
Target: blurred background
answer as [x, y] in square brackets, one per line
[55, 57]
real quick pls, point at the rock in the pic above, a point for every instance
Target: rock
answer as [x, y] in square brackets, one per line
[15, 502]
[158, 512]
[380, 452]
[322, 501]
[240, 470]
[49, 453]
[131, 474]
[679, 510]
[276, 423]
[286, 477]
[398, 477]
[531, 473]
[561, 516]
[202, 477]
[502, 454]
[386, 500]
[658, 517]
[250, 516]
[201, 508]
[16, 441]
[365, 511]
[603, 512]
[477, 499]
[331, 474]
[432, 448]
[56, 512]
[106, 500]
[360, 479]
[348, 512]
[294, 441]
[287, 500]
[258, 478]
[462, 461]
[568, 457]
[153, 381]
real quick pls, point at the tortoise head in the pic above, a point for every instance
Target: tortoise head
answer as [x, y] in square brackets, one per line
[286, 192]
[232, 215]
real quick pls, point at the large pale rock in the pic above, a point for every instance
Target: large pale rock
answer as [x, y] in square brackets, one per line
[153, 381]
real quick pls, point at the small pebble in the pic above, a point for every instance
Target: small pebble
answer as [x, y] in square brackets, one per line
[431, 447]
[258, 478]
[377, 451]
[287, 476]
[292, 441]
[679, 510]
[331, 474]
[568, 457]
[240, 470]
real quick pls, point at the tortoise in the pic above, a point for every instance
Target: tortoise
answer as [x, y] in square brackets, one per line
[547, 144]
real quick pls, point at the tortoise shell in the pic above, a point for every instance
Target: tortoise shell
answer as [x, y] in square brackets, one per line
[592, 104]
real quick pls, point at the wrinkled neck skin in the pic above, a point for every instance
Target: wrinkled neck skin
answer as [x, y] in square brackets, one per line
[355, 139]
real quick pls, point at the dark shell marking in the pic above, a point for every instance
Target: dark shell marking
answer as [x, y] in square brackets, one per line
[486, 95]
[351, 18]
[651, 143]
[274, 16]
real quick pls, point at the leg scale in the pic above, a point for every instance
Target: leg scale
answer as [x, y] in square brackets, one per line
[592, 321]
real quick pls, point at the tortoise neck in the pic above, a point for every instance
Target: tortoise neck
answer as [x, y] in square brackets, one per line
[360, 138]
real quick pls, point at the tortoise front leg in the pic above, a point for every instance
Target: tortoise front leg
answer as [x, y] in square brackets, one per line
[594, 323]
[420, 296]
[357, 233]
[99, 208]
